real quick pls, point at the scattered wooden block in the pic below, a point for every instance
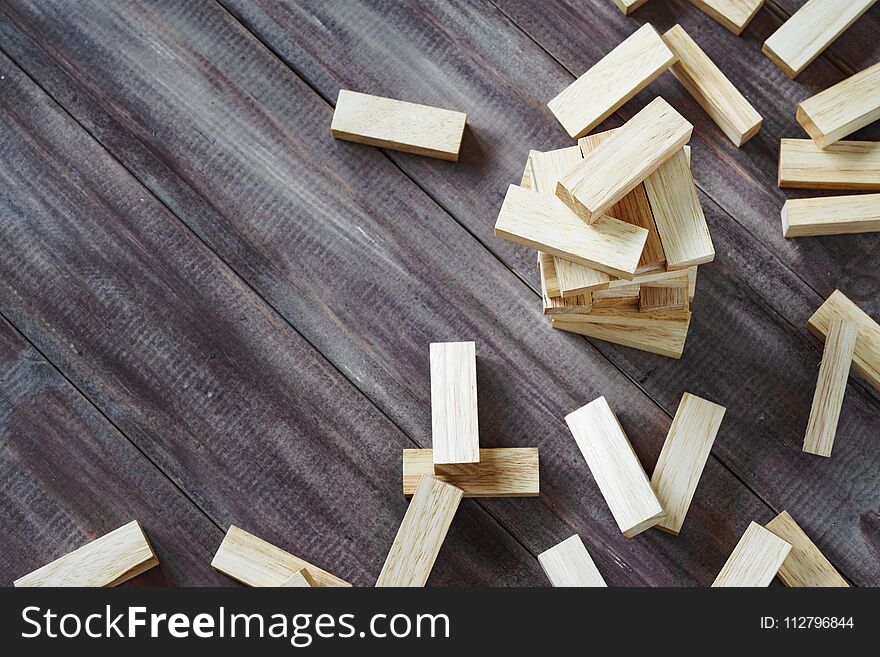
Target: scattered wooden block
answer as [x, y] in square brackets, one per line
[831, 215]
[300, 579]
[711, 89]
[629, 6]
[805, 565]
[810, 30]
[615, 467]
[504, 472]
[654, 299]
[421, 534]
[624, 160]
[611, 81]
[454, 427]
[831, 386]
[398, 125]
[843, 165]
[755, 559]
[866, 356]
[109, 560]
[583, 303]
[253, 561]
[732, 14]
[658, 333]
[831, 115]
[569, 564]
[683, 458]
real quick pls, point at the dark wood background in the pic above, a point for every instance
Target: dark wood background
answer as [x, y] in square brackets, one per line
[213, 313]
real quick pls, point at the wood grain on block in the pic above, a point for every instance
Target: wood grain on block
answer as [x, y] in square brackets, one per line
[659, 278]
[549, 278]
[454, 426]
[504, 472]
[831, 215]
[575, 279]
[254, 562]
[615, 467]
[544, 223]
[621, 162]
[831, 387]
[866, 356]
[569, 564]
[732, 14]
[582, 303]
[300, 579]
[658, 333]
[810, 30]
[654, 298]
[617, 297]
[421, 534]
[629, 6]
[107, 561]
[843, 165]
[398, 125]
[723, 102]
[831, 115]
[683, 458]
[755, 559]
[527, 181]
[805, 565]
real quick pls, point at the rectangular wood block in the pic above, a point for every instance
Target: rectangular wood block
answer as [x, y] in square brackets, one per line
[454, 426]
[109, 560]
[805, 565]
[569, 564]
[421, 534]
[831, 215]
[611, 81]
[629, 6]
[300, 579]
[582, 303]
[504, 472]
[653, 298]
[755, 560]
[398, 125]
[615, 467]
[732, 14]
[658, 333]
[547, 271]
[575, 279]
[843, 165]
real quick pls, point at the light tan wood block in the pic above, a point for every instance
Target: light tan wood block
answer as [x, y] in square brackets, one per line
[109, 560]
[843, 165]
[732, 14]
[300, 579]
[569, 564]
[805, 565]
[582, 303]
[616, 298]
[421, 534]
[527, 182]
[658, 333]
[615, 167]
[575, 279]
[544, 223]
[755, 559]
[683, 458]
[723, 102]
[831, 215]
[654, 299]
[547, 271]
[611, 81]
[549, 166]
[398, 125]
[831, 115]
[252, 561]
[454, 425]
[504, 472]
[615, 467]
[810, 30]
[629, 6]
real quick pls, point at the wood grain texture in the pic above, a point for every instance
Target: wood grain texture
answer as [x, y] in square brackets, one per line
[301, 579]
[732, 14]
[629, 6]
[557, 305]
[831, 215]
[549, 277]
[755, 560]
[653, 298]
[455, 434]
[569, 564]
[805, 565]
[504, 472]
[843, 165]
[657, 333]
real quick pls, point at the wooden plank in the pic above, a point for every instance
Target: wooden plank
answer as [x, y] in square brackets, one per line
[811, 29]
[629, 6]
[805, 565]
[557, 305]
[684, 457]
[831, 215]
[843, 165]
[712, 90]
[255, 562]
[611, 81]
[831, 115]
[455, 435]
[110, 560]
[421, 534]
[549, 166]
[301, 579]
[732, 14]
[653, 298]
[831, 386]
[657, 335]
[616, 297]
[398, 125]
[633, 152]
[504, 472]
[615, 467]
[755, 560]
[549, 277]
[576, 279]
[569, 564]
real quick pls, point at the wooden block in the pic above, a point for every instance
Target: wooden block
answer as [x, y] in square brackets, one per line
[504, 472]
[810, 30]
[805, 565]
[831, 115]
[110, 560]
[615, 467]
[549, 166]
[866, 356]
[683, 458]
[569, 564]
[300, 579]
[547, 271]
[253, 561]
[618, 297]
[831, 215]
[454, 426]
[755, 559]
[653, 299]
[831, 386]
[629, 6]
[575, 279]
[711, 89]
[679, 215]
[421, 534]
[843, 165]
[624, 160]
[527, 182]
[611, 81]
[544, 223]
[732, 14]
[583, 303]
[398, 125]
[658, 333]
